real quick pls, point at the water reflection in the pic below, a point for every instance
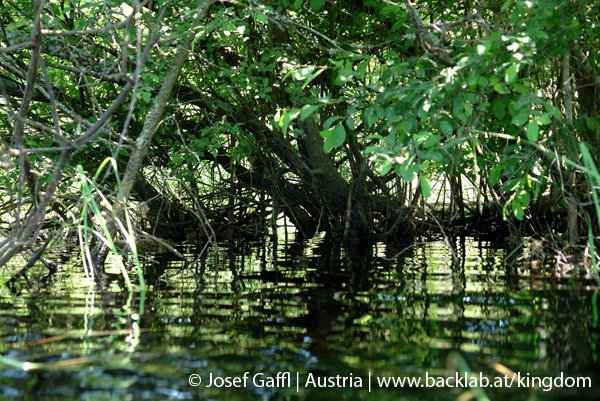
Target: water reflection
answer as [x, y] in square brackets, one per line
[322, 309]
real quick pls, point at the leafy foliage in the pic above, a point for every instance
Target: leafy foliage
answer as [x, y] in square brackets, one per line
[344, 107]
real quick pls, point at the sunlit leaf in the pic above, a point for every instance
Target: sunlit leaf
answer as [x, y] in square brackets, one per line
[511, 74]
[343, 76]
[385, 168]
[425, 188]
[287, 118]
[517, 209]
[261, 18]
[483, 47]
[371, 149]
[303, 73]
[313, 76]
[326, 132]
[523, 197]
[307, 111]
[410, 173]
[14, 25]
[533, 130]
[511, 185]
[500, 88]
[361, 70]
[545, 119]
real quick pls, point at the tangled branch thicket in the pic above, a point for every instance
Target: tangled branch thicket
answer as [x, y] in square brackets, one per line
[364, 120]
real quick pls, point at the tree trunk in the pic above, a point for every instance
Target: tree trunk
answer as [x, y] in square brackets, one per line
[155, 115]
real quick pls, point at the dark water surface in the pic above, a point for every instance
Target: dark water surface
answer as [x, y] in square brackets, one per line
[319, 312]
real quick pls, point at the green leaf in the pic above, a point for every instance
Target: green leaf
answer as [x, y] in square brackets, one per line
[371, 149]
[468, 109]
[552, 109]
[511, 74]
[373, 115]
[328, 145]
[429, 155]
[326, 132]
[410, 123]
[386, 166]
[499, 109]
[313, 76]
[177, 160]
[361, 70]
[339, 135]
[303, 73]
[511, 185]
[410, 174]
[298, 4]
[343, 76]
[523, 197]
[330, 121]
[545, 119]
[500, 88]
[483, 47]
[533, 130]
[495, 174]
[307, 111]
[522, 117]
[446, 127]
[14, 25]
[517, 209]
[521, 89]
[350, 123]
[425, 188]
[316, 4]
[287, 118]
[458, 108]
[506, 5]
[398, 169]
[432, 140]
[261, 18]
[472, 81]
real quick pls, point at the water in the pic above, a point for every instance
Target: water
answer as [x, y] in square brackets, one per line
[319, 312]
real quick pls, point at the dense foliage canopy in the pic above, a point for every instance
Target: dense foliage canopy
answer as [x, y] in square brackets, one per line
[360, 118]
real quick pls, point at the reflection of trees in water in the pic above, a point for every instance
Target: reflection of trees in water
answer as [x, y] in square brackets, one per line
[347, 295]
